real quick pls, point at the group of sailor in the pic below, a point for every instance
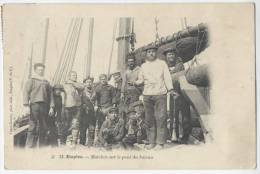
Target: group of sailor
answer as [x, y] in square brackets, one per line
[143, 107]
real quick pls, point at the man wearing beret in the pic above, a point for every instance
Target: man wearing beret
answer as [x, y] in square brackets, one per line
[38, 102]
[157, 81]
[88, 119]
[112, 130]
[178, 104]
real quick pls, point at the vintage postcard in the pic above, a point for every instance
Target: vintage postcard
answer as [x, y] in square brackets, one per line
[129, 86]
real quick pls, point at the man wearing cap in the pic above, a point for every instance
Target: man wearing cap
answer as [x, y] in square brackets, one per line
[104, 97]
[131, 130]
[135, 129]
[72, 104]
[38, 102]
[129, 92]
[157, 81]
[177, 104]
[138, 107]
[88, 120]
[174, 62]
[112, 130]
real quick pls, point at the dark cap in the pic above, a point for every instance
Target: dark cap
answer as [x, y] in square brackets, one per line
[38, 64]
[88, 78]
[149, 47]
[113, 109]
[130, 55]
[169, 50]
[102, 75]
[115, 73]
[130, 111]
[57, 86]
[137, 103]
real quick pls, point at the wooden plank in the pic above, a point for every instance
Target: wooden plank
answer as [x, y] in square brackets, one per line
[20, 130]
[195, 95]
[200, 104]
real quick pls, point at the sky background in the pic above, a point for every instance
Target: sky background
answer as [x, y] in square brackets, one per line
[31, 32]
[102, 41]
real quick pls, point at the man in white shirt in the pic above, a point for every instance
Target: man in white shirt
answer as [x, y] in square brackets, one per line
[157, 81]
[72, 105]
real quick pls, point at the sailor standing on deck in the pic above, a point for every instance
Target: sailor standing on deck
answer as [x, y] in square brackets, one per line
[179, 107]
[130, 93]
[88, 119]
[117, 85]
[38, 102]
[72, 105]
[157, 81]
[55, 121]
[104, 97]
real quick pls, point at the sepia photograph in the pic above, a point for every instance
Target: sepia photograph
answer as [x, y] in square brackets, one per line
[129, 86]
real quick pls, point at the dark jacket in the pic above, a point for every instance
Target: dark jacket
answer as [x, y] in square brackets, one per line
[104, 95]
[174, 69]
[57, 106]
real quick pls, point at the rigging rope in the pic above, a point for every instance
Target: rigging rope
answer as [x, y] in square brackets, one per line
[71, 57]
[68, 53]
[76, 44]
[61, 61]
[198, 44]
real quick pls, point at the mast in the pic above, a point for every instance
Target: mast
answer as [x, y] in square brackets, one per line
[28, 69]
[185, 22]
[123, 42]
[157, 37]
[112, 48]
[30, 64]
[89, 50]
[45, 41]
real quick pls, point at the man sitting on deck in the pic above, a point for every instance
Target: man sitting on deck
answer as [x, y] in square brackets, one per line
[112, 130]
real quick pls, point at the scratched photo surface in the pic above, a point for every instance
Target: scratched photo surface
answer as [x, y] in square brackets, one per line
[129, 86]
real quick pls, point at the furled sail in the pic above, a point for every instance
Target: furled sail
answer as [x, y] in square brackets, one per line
[188, 43]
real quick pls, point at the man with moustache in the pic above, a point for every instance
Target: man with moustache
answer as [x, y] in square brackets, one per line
[157, 81]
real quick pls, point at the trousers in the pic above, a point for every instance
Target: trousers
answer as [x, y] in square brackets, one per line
[156, 118]
[71, 123]
[101, 114]
[180, 116]
[37, 125]
[88, 122]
